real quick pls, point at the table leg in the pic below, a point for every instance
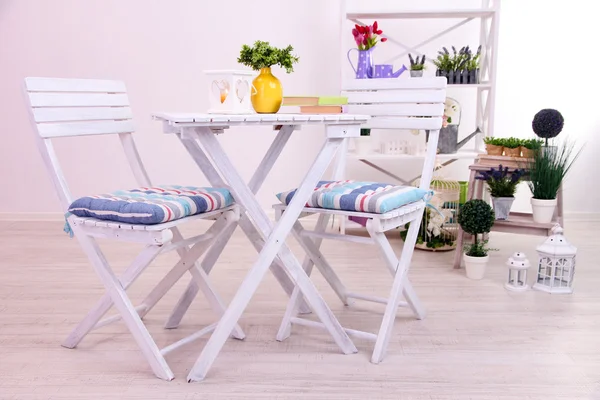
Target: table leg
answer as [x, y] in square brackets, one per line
[274, 244]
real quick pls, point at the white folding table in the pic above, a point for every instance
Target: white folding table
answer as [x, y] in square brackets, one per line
[198, 134]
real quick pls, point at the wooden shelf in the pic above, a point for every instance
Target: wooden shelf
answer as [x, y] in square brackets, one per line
[420, 14]
[442, 157]
[522, 223]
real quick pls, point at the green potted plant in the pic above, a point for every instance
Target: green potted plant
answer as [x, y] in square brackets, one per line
[512, 147]
[547, 169]
[416, 66]
[529, 146]
[476, 217]
[494, 146]
[267, 93]
[547, 124]
[502, 185]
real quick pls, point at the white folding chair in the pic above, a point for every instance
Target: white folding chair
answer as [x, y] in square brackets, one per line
[393, 104]
[80, 107]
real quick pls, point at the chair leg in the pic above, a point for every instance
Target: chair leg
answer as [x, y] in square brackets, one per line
[389, 317]
[391, 261]
[293, 306]
[138, 265]
[212, 255]
[123, 304]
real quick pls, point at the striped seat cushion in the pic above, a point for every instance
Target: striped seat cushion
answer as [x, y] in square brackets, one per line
[152, 205]
[369, 197]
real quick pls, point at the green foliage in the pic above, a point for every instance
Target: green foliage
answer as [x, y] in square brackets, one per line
[417, 64]
[424, 236]
[493, 141]
[477, 249]
[501, 182]
[476, 216]
[548, 168]
[417, 67]
[457, 60]
[512, 143]
[263, 55]
[532, 144]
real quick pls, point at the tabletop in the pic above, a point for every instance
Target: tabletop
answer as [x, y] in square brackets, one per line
[202, 119]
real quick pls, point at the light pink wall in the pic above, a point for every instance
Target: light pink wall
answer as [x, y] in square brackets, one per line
[547, 58]
[159, 48]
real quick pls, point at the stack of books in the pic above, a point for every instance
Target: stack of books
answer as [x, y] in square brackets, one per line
[317, 104]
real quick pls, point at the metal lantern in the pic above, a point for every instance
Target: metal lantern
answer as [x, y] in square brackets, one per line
[517, 265]
[229, 91]
[556, 264]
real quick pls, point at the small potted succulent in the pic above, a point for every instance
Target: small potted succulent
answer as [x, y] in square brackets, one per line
[512, 147]
[416, 66]
[476, 217]
[502, 185]
[494, 146]
[529, 146]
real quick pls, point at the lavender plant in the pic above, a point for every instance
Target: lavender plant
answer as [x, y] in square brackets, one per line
[501, 182]
[416, 65]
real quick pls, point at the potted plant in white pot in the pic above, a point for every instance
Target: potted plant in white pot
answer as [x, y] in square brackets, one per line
[502, 186]
[547, 169]
[416, 66]
[476, 217]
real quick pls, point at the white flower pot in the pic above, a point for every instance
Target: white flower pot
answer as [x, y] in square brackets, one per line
[475, 266]
[543, 210]
[363, 145]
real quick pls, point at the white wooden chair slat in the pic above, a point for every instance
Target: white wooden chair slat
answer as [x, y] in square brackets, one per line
[396, 96]
[81, 114]
[35, 84]
[399, 104]
[76, 107]
[400, 110]
[66, 99]
[218, 119]
[85, 128]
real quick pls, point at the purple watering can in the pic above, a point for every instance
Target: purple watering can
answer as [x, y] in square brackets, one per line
[364, 66]
[387, 71]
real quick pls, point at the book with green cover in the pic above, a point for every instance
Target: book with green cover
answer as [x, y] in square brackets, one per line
[332, 100]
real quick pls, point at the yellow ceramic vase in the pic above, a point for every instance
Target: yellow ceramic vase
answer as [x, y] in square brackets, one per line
[267, 95]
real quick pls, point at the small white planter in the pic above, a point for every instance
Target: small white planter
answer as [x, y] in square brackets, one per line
[543, 210]
[363, 145]
[475, 266]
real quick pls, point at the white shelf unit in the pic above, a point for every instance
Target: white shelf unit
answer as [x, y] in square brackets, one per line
[487, 16]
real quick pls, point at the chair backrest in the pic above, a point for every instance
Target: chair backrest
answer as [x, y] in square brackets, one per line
[402, 103]
[80, 107]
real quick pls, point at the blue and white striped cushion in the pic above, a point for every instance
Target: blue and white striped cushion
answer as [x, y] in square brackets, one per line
[152, 205]
[369, 197]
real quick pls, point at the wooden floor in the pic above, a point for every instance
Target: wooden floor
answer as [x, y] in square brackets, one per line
[478, 342]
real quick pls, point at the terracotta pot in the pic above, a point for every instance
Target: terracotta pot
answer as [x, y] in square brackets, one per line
[512, 152]
[526, 153]
[494, 150]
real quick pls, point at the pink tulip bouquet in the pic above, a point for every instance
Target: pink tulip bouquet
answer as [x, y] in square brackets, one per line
[366, 36]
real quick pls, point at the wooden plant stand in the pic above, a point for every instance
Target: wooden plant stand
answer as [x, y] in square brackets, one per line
[521, 223]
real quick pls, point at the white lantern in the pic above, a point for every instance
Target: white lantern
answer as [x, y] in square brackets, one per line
[517, 273]
[229, 91]
[556, 265]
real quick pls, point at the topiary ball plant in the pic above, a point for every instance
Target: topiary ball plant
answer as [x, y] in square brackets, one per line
[476, 217]
[547, 123]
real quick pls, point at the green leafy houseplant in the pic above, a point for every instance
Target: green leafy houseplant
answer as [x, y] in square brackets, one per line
[501, 182]
[263, 55]
[418, 64]
[511, 143]
[547, 169]
[476, 217]
[494, 141]
[532, 144]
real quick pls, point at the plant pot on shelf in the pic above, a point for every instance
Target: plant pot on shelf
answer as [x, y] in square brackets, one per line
[502, 206]
[267, 95]
[416, 73]
[464, 76]
[494, 150]
[475, 266]
[516, 152]
[363, 145]
[543, 210]
[473, 76]
[526, 153]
